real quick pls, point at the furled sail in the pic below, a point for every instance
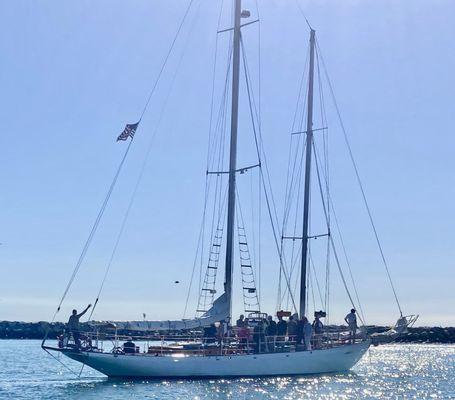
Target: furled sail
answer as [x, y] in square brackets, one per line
[219, 311]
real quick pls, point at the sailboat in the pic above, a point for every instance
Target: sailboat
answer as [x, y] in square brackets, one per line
[228, 356]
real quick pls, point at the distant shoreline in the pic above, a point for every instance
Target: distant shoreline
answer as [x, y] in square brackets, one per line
[37, 330]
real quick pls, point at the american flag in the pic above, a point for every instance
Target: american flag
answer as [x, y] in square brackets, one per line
[129, 131]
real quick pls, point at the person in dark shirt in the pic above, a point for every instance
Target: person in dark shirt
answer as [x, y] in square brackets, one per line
[210, 333]
[292, 328]
[281, 327]
[240, 322]
[73, 325]
[270, 332]
[318, 326]
[271, 326]
[259, 337]
[129, 347]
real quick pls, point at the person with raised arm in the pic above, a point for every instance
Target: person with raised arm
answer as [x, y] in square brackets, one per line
[73, 325]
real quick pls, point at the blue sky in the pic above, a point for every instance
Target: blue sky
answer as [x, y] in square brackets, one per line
[72, 74]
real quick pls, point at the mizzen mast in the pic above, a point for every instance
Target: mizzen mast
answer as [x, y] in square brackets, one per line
[306, 198]
[233, 156]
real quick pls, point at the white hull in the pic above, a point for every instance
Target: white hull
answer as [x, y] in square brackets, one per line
[336, 359]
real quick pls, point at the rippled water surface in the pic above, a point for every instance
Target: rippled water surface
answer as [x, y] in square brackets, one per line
[387, 372]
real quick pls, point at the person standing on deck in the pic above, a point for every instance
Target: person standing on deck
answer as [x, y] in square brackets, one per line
[223, 331]
[281, 330]
[259, 337]
[243, 334]
[351, 320]
[318, 329]
[73, 325]
[270, 333]
[307, 333]
[292, 329]
[210, 334]
[300, 327]
[240, 322]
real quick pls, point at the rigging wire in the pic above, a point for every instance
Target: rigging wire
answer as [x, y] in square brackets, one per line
[201, 236]
[304, 16]
[359, 181]
[239, 218]
[167, 57]
[259, 262]
[218, 144]
[92, 232]
[316, 279]
[143, 167]
[260, 141]
[311, 286]
[295, 127]
[335, 254]
[202, 302]
[291, 175]
[290, 184]
[259, 149]
[325, 141]
[294, 260]
[62, 363]
[114, 181]
[348, 263]
[253, 226]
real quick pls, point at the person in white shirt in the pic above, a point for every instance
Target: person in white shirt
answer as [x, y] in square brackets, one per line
[351, 320]
[307, 333]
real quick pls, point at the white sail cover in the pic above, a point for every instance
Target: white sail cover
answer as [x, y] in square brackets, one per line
[219, 311]
[400, 328]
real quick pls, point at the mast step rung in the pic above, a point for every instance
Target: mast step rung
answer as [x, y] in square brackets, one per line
[243, 243]
[202, 311]
[210, 267]
[216, 245]
[245, 265]
[213, 291]
[253, 311]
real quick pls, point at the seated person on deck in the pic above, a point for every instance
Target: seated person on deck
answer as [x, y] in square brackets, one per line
[210, 334]
[129, 347]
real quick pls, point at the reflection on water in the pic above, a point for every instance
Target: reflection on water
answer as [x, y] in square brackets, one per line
[393, 371]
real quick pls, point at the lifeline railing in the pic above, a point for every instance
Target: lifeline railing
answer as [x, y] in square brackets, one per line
[197, 344]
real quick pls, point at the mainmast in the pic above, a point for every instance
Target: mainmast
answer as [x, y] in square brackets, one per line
[306, 199]
[233, 155]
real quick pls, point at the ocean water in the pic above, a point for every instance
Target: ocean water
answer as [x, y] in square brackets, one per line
[387, 372]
